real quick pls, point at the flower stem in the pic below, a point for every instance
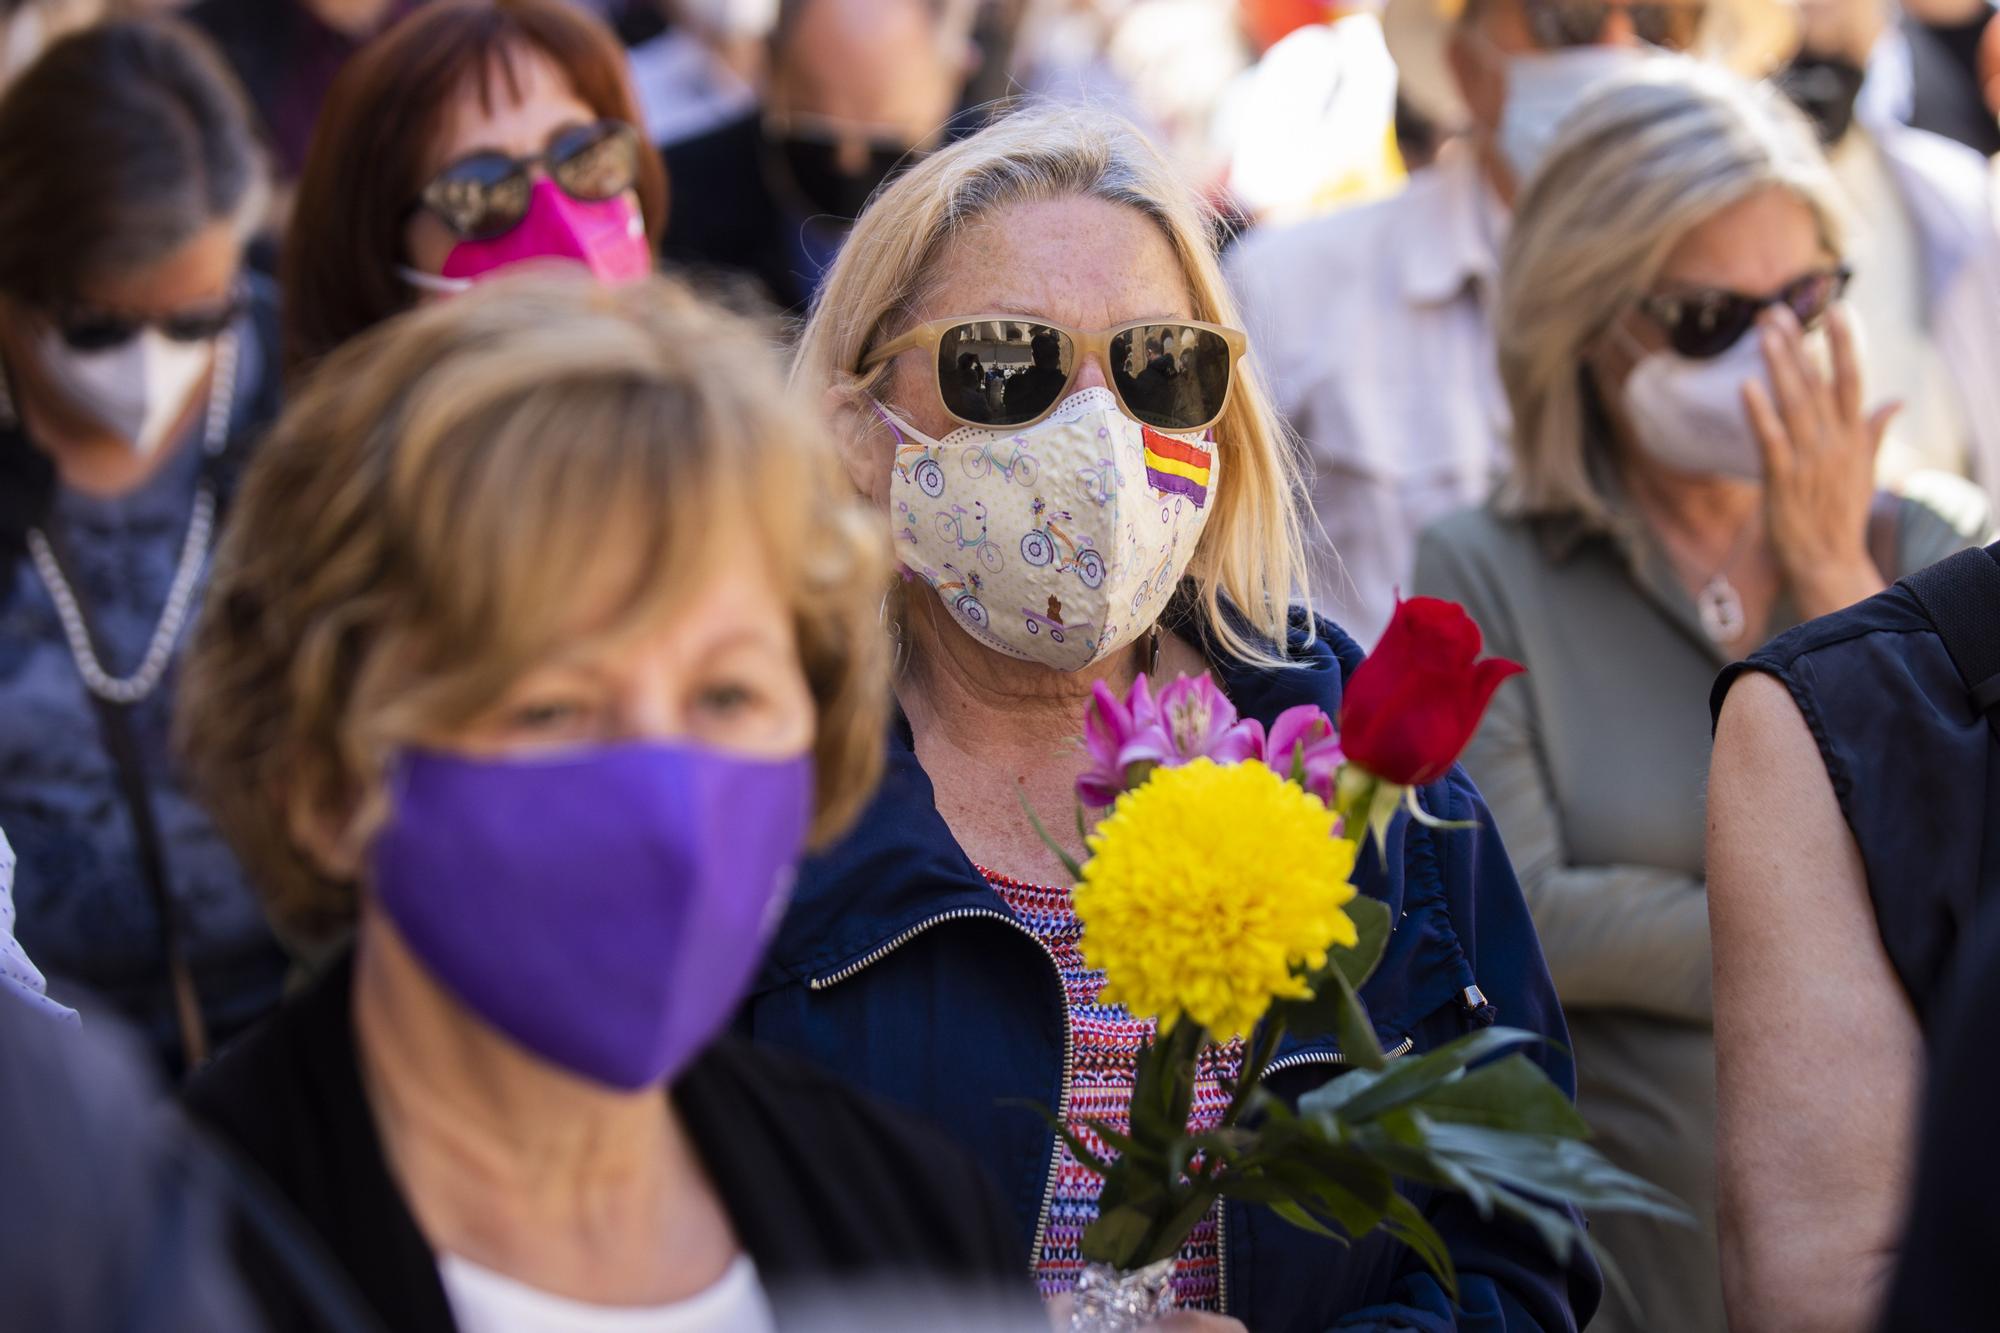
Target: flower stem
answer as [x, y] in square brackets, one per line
[1264, 1047]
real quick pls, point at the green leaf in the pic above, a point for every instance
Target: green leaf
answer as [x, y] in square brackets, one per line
[1171, 1230]
[1354, 1192]
[1412, 1076]
[1118, 1237]
[1407, 1224]
[1557, 1169]
[1511, 1093]
[1069, 862]
[1398, 1143]
[1163, 1084]
[1354, 1028]
[1305, 1221]
[1429, 820]
[1320, 1014]
[1372, 922]
[1383, 801]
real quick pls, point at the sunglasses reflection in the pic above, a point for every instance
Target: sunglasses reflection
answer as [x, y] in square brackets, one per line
[1006, 371]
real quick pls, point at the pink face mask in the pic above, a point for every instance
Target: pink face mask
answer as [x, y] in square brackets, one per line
[608, 238]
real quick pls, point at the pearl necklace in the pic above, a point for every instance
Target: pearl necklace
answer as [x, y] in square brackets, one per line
[180, 593]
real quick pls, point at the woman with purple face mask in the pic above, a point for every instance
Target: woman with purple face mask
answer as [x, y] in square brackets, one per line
[542, 650]
[472, 136]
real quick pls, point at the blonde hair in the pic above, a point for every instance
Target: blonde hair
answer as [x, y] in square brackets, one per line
[412, 537]
[1637, 165]
[1252, 549]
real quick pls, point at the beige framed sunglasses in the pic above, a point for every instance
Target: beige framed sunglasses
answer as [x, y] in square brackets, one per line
[1002, 372]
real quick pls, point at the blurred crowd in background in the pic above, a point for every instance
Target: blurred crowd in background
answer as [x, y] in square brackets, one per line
[1506, 341]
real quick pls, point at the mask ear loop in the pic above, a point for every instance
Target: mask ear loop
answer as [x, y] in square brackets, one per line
[434, 283]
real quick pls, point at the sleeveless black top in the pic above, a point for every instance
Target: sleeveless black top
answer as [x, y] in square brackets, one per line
[1915, 766]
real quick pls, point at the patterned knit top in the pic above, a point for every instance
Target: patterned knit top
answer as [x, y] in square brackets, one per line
[1105, 1041]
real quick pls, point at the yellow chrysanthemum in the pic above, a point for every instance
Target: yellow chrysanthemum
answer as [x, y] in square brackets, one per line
[1210, 890]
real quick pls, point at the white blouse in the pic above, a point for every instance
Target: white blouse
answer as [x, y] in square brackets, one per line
[483, 1301]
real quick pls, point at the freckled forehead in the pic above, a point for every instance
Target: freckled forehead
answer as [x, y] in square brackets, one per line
[1081, 262]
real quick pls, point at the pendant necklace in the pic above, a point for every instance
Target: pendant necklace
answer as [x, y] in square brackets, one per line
[1721, 609]
[1718, 604]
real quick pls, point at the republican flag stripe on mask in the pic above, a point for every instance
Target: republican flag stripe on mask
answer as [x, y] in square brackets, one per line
[1175, 466]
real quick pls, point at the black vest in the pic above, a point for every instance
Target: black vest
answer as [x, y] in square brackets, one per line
[1915, 765]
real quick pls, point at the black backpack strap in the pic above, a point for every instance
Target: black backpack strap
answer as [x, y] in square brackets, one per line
[114, 726]
[1961, 595]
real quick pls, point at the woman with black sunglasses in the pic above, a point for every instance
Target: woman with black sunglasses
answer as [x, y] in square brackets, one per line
[140, 359]
[1694, 455]
[472, 136]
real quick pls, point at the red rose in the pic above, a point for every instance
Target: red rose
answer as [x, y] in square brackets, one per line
[1411, 707]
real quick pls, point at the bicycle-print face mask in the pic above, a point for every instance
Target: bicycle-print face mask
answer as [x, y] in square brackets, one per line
[1057, 544]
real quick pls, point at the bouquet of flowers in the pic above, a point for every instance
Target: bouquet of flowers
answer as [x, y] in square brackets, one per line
[1216, 900]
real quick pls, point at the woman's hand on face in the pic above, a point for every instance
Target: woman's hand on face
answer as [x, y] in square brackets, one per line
[1819, 446]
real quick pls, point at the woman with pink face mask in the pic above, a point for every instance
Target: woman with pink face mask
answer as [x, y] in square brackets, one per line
[470, 137]
[139, 360]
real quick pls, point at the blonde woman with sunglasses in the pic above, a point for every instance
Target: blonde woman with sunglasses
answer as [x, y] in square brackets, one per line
[1123, 505]
[1694, 461]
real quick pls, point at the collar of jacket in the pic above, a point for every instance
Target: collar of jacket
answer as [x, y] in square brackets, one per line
[900, 869]
[1450, 230]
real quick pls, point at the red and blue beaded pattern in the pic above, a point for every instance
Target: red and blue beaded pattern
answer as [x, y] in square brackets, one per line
[1105, 1044]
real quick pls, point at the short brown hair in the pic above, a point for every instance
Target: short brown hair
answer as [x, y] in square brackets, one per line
[117, 146]
[408, 541]
[365, 167]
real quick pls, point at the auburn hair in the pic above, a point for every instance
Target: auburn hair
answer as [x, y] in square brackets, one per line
[370, 150]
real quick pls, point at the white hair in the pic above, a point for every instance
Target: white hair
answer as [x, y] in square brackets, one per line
[1642, 160]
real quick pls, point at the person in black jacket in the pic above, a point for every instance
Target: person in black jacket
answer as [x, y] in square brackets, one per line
[537, 656]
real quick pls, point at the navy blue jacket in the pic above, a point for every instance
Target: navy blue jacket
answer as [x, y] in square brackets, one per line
[900, 968]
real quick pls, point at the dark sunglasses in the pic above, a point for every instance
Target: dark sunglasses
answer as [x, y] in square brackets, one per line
[1006, 371]
[1707, 322]
[486, 194]
[99, 331]
[1561, 23]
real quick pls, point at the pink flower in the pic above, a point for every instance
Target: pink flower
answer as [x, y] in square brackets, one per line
[1202, 723]
[1302, 739]
[1126, 740]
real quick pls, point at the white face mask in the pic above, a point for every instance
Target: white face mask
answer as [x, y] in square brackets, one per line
[137, 391]
[1689, 415]
[1056, 544]
[1542, 88]
[732, 19]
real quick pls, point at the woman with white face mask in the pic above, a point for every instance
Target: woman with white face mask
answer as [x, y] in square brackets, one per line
[139, 361]
[1693, 473]
[1117, 510]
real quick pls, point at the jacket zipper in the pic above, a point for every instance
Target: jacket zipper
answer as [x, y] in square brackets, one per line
[880, 952]
[1292, 1061]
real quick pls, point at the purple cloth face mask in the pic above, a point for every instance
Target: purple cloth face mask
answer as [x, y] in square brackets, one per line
[605, 908]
